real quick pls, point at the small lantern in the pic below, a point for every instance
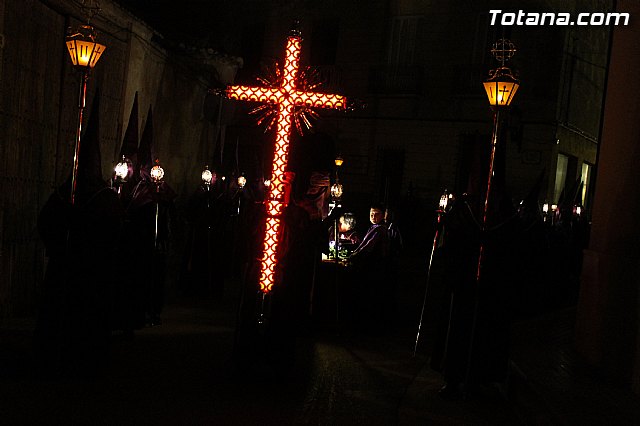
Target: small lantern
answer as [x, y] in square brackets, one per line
[545, 208]
[83, 48]
[242, 181]
[267, 183]
[444, 201]
[338, 161]
[207, 176]
[122, 169]
[157, 172]
[336, 191]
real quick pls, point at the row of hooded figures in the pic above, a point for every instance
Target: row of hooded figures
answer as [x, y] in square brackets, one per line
[107, 263]
[106, 247]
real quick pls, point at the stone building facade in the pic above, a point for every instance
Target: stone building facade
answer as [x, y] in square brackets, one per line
[417, 65]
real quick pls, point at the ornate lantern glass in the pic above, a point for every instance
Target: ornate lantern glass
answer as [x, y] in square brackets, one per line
[83, 48]
[501, 87]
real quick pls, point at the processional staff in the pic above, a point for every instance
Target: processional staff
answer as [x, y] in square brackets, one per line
[442, 209]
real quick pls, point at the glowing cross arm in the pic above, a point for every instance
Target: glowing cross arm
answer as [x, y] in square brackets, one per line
[319, 100]
[256, 94]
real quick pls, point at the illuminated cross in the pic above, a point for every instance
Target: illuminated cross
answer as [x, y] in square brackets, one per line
[286, 97]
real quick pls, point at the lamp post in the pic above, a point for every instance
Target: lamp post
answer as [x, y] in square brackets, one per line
[85, 53]
[501, 87]
[157, 174]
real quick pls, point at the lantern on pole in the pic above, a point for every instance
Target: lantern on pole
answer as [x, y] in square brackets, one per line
[85, 52]
[443, 206]
[501, 87]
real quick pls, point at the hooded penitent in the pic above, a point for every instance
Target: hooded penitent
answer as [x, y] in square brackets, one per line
[89, 176]
[145, 150]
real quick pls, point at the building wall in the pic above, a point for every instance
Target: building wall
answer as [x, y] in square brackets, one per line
[39, 110]
[607, 332]
[423, 94]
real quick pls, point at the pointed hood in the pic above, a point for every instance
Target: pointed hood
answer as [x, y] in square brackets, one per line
[145, 150]
[131, 137]
[90, 161]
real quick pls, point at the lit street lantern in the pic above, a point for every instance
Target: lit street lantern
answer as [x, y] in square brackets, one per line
[501, 87]
[242, 181]
[83, 48]
[85, 53]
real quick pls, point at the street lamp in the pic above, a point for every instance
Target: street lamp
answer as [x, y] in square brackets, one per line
[501, 87]
[85, 53]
